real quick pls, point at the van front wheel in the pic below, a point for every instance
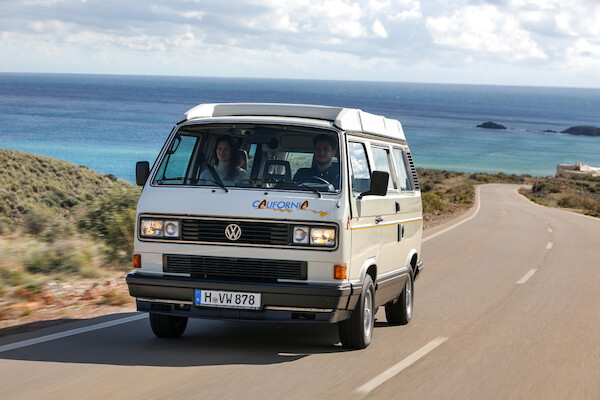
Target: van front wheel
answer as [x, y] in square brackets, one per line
[167, 326]
[357, 332]
[400, 312]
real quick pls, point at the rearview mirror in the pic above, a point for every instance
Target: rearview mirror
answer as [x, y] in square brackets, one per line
[379, 184]
[263, 138]
[142, 171]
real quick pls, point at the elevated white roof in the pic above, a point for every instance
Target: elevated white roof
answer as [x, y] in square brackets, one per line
[348, 119]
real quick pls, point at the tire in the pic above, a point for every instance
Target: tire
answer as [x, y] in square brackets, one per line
[167, 326]
[400, 312]
[357, 332]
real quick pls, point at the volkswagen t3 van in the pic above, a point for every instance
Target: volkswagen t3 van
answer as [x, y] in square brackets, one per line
[279, 212]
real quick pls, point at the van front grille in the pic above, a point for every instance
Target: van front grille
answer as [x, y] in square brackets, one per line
[239, 269]
[213, 231]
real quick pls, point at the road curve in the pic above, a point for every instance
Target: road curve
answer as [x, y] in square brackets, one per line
[506, 308]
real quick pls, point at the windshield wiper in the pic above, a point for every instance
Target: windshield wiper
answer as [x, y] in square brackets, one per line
[302, 185]
[192, 181]
[213, 181]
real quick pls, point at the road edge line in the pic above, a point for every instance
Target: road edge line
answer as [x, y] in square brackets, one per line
[477, 200]
[72, 332]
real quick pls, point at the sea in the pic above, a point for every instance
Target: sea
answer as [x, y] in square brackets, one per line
[108, 122]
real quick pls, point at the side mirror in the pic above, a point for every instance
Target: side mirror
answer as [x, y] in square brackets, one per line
[142, 171]
[379, 184]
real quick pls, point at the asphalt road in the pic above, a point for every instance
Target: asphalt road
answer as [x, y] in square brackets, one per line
[508, 307]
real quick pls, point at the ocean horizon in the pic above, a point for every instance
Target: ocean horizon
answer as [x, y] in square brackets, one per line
[108, 122]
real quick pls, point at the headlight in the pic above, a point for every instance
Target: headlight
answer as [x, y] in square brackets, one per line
[313, 236]
[322, 236]
[301, 235]
[172, 228]
[159, 228]
[151, 228]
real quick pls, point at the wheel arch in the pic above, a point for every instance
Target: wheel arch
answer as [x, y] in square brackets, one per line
[369, 267]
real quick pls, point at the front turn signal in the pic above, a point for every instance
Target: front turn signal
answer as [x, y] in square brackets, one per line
[137, 261]
[339, 272]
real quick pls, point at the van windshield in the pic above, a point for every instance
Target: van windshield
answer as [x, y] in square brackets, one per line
[252, 156]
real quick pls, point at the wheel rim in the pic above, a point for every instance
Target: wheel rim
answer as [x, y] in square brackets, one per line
[408, 289]
[368, 313]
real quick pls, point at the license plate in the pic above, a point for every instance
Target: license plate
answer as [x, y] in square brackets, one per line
[224, 299]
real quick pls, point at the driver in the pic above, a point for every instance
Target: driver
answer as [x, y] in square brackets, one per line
[323, 167]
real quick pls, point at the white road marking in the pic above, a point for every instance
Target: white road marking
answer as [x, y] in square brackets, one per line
[459, 223]
[72, 332]
[526, 277]
[549, 245]
[550, 230]
[402, 365]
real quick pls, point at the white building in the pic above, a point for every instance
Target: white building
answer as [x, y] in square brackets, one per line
[576, 169]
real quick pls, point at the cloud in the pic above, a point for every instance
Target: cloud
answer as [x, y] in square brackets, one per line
[485, 30]
[379, 29]
[300, 38]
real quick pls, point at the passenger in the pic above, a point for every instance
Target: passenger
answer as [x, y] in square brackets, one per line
[323, 167]
[228, 165]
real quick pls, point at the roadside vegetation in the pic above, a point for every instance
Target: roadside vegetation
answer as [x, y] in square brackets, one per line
[579, 193]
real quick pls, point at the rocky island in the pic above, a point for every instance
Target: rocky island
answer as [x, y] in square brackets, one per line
[491, 125]
[583, 131]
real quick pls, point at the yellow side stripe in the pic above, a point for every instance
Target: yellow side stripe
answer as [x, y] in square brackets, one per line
[388, 224]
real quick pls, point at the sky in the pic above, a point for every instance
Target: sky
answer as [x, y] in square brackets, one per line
[499, 42]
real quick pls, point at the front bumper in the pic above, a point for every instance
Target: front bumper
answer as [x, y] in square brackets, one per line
[280, 301]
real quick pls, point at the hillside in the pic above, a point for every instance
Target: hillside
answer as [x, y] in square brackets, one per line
[36, 184]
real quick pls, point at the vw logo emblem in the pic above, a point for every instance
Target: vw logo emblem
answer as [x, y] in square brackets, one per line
[233, 232]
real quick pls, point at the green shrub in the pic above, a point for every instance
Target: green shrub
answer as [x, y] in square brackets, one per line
[34, 287]
[35, 222]
[12, 277]
[460, 194]
[591, 204]
[432, 202]
[570, 202]
[64, 256]
[111, 218]
[427, 187]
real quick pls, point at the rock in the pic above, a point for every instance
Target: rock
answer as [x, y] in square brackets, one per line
[491, 125]
[25, 293]
[583, 131]
[47, 298]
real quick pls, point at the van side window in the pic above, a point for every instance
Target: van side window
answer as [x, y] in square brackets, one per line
[361, 176]
[383, 162]
[402, 172]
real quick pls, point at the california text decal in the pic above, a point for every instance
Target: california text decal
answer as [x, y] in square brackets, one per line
[286, 206]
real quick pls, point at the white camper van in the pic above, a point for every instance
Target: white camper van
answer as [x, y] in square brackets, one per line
[279, 212]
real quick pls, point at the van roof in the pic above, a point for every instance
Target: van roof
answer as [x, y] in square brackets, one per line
[348, 119]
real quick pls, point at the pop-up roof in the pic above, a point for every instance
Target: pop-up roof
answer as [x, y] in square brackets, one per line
[348, 119]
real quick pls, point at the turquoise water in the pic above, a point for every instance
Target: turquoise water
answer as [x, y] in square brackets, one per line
[110, 122]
